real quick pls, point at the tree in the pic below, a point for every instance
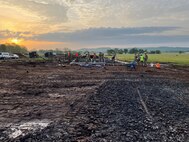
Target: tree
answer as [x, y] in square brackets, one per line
[133, 50]
[141, 51]
[180, 52]
[13, 48]
[120, 51]
[155, 52]
[3, 47]
[116, 50]
[158, 52]
[125, 51]
[152, 52]
[110, 52]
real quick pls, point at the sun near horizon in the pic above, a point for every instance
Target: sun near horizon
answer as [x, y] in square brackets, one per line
[16, 41]
[96, 23]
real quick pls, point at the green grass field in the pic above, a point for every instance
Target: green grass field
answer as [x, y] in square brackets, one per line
[175, 58]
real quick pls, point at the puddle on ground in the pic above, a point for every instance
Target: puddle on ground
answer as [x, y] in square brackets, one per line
[25, 128]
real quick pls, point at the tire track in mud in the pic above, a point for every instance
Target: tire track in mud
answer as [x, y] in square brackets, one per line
[115, 113]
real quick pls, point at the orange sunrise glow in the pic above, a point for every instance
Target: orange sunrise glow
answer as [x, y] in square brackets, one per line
[49, 24]
[15, 41]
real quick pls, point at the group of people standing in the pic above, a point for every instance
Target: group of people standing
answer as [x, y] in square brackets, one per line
[88, 57]
[93, 57]
[141, 59]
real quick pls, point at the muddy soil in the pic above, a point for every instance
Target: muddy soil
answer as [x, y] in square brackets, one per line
[50, 102]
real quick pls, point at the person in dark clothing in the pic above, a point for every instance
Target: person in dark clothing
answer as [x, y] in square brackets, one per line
[145, 59]
[69, 56]
[132, 65]
[136, 57]
[113, 58]
[100, 56]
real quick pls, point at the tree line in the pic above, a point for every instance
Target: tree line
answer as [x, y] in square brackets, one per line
[13, 48]
[57, 51]
[130, 51]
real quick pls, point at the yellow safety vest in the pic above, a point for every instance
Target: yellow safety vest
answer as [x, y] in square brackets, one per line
[142, 58]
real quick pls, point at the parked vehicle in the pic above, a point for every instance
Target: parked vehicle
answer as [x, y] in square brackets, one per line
[33, 54]
[50, 54]
[4, 55]
[7, 55]
[14, 56]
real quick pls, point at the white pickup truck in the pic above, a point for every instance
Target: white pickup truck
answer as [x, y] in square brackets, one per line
[7, 55]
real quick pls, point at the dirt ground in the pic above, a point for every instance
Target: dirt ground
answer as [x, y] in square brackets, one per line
[51, 102]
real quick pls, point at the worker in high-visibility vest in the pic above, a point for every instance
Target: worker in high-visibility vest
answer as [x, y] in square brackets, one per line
[142, 59]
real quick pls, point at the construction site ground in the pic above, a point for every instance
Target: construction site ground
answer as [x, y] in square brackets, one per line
[49, 102]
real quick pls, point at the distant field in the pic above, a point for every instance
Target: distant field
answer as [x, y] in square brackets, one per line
[176, 58]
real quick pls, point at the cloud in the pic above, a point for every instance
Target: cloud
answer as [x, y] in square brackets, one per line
[71, 15]
[48, 10]
[116, 37]
[129, 13]
[11, 34]
[102, 33]
[34, 16]
[96, 21]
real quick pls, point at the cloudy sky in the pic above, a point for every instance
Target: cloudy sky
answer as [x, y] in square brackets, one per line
[50, 24]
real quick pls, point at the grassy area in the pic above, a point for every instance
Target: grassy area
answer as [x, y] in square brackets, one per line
[175, 58]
